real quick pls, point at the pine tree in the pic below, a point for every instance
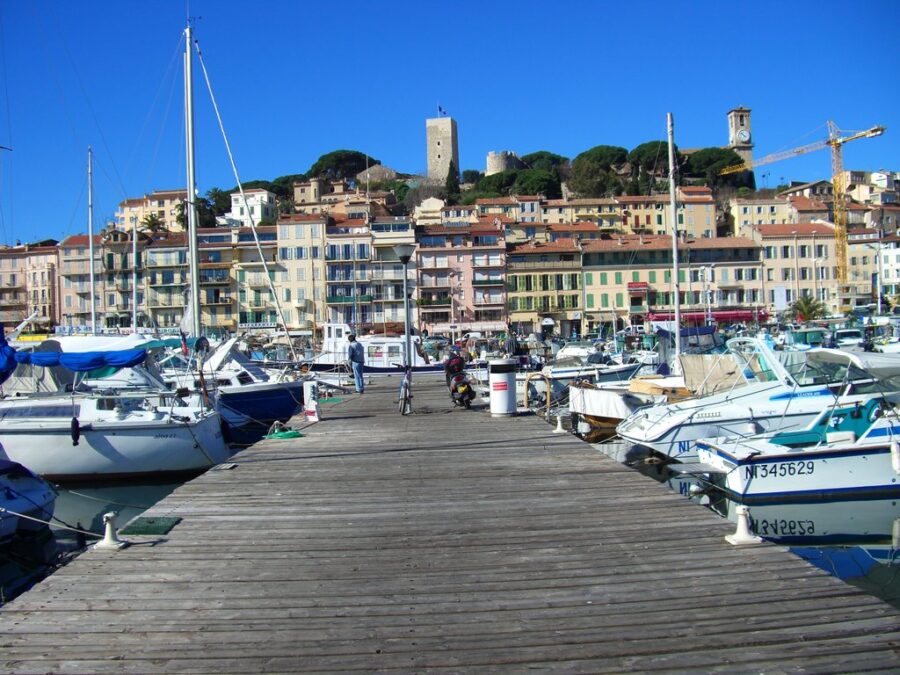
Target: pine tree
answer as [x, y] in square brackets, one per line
[451, 186]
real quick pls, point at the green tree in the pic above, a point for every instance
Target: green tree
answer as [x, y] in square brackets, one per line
[451, 185]
[808, 308]
[652, 157]
[152, 223]
[497, 184]
[592, 173]
[471, 176]
[341, 164]
[708, 162]
[219, 201]
[544, 160]
[537, 182]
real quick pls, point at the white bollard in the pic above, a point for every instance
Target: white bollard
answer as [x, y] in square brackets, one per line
[742, 536]
[559, 427]
[111, 541]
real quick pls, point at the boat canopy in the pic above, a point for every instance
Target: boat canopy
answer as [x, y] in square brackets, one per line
[80, 361]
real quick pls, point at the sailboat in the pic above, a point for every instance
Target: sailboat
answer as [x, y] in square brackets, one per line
[601, 406]
[72, 433]
[242, 393]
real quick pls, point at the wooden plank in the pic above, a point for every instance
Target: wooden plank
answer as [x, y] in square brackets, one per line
[447, 539]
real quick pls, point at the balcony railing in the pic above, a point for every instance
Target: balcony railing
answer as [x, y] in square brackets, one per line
[488, 282]
[434, 283]
[215, 279]
[638, 309]
[217, 301]
[433, 302]
[347, 299]
[547, 265]
[487, 262]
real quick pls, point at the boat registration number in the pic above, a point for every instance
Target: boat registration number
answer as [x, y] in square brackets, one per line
[780, 470]
[781, 527]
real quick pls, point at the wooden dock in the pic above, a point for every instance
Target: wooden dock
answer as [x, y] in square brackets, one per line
[447, 540]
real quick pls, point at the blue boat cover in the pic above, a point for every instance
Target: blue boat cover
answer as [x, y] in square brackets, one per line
[80, 362]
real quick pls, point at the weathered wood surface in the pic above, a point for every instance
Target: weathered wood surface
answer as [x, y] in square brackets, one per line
[446, 540]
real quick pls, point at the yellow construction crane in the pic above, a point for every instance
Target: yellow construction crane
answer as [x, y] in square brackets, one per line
[836, 140]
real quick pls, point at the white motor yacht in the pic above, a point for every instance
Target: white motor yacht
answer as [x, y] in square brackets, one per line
[779, 391]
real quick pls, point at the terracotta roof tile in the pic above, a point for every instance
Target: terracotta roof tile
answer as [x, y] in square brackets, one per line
[662, 242]
[558, 246]
[801, 229]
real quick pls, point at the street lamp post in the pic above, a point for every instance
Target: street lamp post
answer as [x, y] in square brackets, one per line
[404, 254]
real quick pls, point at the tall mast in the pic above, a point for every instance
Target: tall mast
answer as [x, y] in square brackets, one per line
[676, 290]
[91, 241]
[190, 201]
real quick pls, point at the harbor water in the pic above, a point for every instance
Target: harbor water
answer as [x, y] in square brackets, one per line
[857, 541]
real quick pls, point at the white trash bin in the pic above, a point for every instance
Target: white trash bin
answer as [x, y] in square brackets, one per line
[502, 385]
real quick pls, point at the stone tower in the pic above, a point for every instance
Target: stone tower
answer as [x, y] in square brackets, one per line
[443, 147]
[740, 138]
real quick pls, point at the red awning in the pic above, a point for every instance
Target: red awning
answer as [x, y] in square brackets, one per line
[722, 315]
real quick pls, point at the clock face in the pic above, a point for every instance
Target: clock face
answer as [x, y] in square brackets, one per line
[743, 135]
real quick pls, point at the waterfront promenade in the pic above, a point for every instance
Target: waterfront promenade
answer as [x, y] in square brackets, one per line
[446, 540]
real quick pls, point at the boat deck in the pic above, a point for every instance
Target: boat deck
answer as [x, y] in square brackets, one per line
[446, 540]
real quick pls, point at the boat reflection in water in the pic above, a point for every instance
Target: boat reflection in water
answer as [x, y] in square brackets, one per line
[82, 507]
[857, 541]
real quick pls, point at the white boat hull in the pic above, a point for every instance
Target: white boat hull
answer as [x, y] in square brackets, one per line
[826, 472]
[113, 449]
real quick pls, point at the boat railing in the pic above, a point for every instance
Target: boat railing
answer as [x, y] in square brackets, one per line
[548, 383]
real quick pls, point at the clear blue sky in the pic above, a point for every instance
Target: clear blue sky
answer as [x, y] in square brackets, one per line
[295, 80]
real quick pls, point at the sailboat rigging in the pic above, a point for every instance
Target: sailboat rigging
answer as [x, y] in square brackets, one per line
[192, 235]
[676, 290]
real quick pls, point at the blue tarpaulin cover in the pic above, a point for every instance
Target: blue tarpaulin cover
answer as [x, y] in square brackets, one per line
[80, 362]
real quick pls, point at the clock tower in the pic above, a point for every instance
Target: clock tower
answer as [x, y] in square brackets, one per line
[739, 133]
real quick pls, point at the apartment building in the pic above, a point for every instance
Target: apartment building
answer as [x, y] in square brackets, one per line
[261, 207]
[256, 308]
[386, 273]
[218, 281]
[117, 284]
[75, 289]
[349, 292]
[28, 285]
[651, 214]
[163, 204]
[166, 281]
[544, 287]
[301, 252]
[461, 277]
[798, 261]
[628, 280]
[41, 262]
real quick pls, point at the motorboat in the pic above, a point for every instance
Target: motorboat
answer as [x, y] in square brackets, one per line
[776, 391]
[848, 451]
[240, 390]
[26, 500]
[78, 433]
[385, 354]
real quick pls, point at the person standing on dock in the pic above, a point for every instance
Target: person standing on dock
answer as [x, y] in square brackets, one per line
[357, 356]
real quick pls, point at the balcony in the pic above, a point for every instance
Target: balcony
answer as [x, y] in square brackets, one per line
[432, 265]
[221, 300]
[434, 283]
[483, 302]
[258, 281]
[487, 262]
[156, 303]
[177, 281]
[347, 299]
[488, 282]
[257, 303]
[546, 265]
[15, 301]
[434, 302]
[380, 275]
[638, 309]
[215, 279]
